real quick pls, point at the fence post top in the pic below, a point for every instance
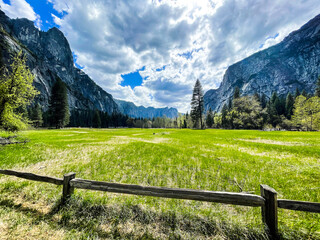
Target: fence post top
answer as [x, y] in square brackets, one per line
[71, 174]
[266, 187]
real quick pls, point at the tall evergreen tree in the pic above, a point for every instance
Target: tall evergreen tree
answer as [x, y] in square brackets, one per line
[197, 105]
[96, 120]
[289, 105]
[297, 93]
[263, 101]
[236, 93]
[224, 113]
[230, 104]
[209, 118]
[36, 116]
[304, 93]
[317, 93]
[58, 105]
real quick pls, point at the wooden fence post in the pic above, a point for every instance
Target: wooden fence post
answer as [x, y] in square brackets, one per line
[67, 189]
[270, 210]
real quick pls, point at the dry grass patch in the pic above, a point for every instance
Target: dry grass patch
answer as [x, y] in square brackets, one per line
[268, 141]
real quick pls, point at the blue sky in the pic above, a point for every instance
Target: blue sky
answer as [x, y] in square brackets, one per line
[151, 52]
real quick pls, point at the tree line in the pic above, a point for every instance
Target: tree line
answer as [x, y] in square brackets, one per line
[295, 111]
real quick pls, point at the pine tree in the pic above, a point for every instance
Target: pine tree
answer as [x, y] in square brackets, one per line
[230, 104]
[289, 105]
[317, 93]
[209, 118]
[304, 93]
[297, 93]
[224, 113]
[263, 101]
[236, 93]
[16, 91]
[96, 120]
[36, 116]
[58, 105]
[197, 105]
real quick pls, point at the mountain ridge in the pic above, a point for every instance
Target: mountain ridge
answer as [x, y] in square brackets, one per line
[49, 56]
[292, 63]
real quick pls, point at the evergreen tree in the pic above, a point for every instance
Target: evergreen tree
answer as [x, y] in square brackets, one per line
[96, 120]
[304, 93]
[16, 91]
[256, 97]
[289, 105]
[197, 105]
[236, 93]
[224, 113]
[58, 105]
[273, 107]
[36, 116]
[317, 93]
[297, 93]
[263, 101]
[230, 104]
[209, 118]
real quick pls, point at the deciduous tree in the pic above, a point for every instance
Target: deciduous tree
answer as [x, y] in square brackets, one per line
[16, 91]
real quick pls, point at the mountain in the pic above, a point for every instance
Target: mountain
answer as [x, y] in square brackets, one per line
[293, 63]
[49, 56]
[130, 109]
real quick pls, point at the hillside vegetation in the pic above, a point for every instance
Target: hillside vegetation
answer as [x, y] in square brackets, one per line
[218, 160]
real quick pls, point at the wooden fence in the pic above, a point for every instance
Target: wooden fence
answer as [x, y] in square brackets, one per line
[267, 201]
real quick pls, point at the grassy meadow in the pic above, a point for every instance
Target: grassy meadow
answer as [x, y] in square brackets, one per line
[218, 160]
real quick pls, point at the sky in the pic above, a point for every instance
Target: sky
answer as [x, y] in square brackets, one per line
[151, 52]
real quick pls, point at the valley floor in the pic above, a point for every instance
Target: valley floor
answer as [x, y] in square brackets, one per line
[217, 160]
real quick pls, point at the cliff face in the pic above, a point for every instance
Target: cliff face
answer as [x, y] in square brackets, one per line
[48, 57]
[293, 63]
[132, 110]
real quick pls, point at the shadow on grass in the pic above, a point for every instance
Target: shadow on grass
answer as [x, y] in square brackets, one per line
[87, 221]
[84, 220]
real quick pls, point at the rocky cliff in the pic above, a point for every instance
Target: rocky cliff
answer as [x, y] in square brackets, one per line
[132, 110]
[49, 56]
[293, 63]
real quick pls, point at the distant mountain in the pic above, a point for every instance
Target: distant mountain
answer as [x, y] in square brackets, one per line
[293, 63]
[49, 56]
[132, 110]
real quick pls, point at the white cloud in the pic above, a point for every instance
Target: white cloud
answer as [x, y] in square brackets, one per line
[20, 9]
[193, 39]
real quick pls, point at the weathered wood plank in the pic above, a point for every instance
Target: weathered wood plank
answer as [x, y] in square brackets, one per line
[269, 210]
[67, 189]
[34, 177]
[190, 194]
[299, 205]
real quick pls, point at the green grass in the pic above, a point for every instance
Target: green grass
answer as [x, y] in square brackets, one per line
[218, 160]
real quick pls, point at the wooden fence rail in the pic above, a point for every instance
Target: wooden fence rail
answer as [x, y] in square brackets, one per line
[267, 201]
[190, 194]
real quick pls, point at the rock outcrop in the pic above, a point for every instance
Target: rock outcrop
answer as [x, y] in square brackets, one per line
[293, 63]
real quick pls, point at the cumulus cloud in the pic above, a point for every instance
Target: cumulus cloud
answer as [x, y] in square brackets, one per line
[177, 41]
[20, 9]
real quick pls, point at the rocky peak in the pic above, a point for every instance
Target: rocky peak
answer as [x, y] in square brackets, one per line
[293, 63]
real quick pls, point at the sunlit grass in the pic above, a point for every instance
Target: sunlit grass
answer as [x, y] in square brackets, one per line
[218, 160]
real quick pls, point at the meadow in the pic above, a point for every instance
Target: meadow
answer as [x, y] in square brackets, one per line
[217, 160]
